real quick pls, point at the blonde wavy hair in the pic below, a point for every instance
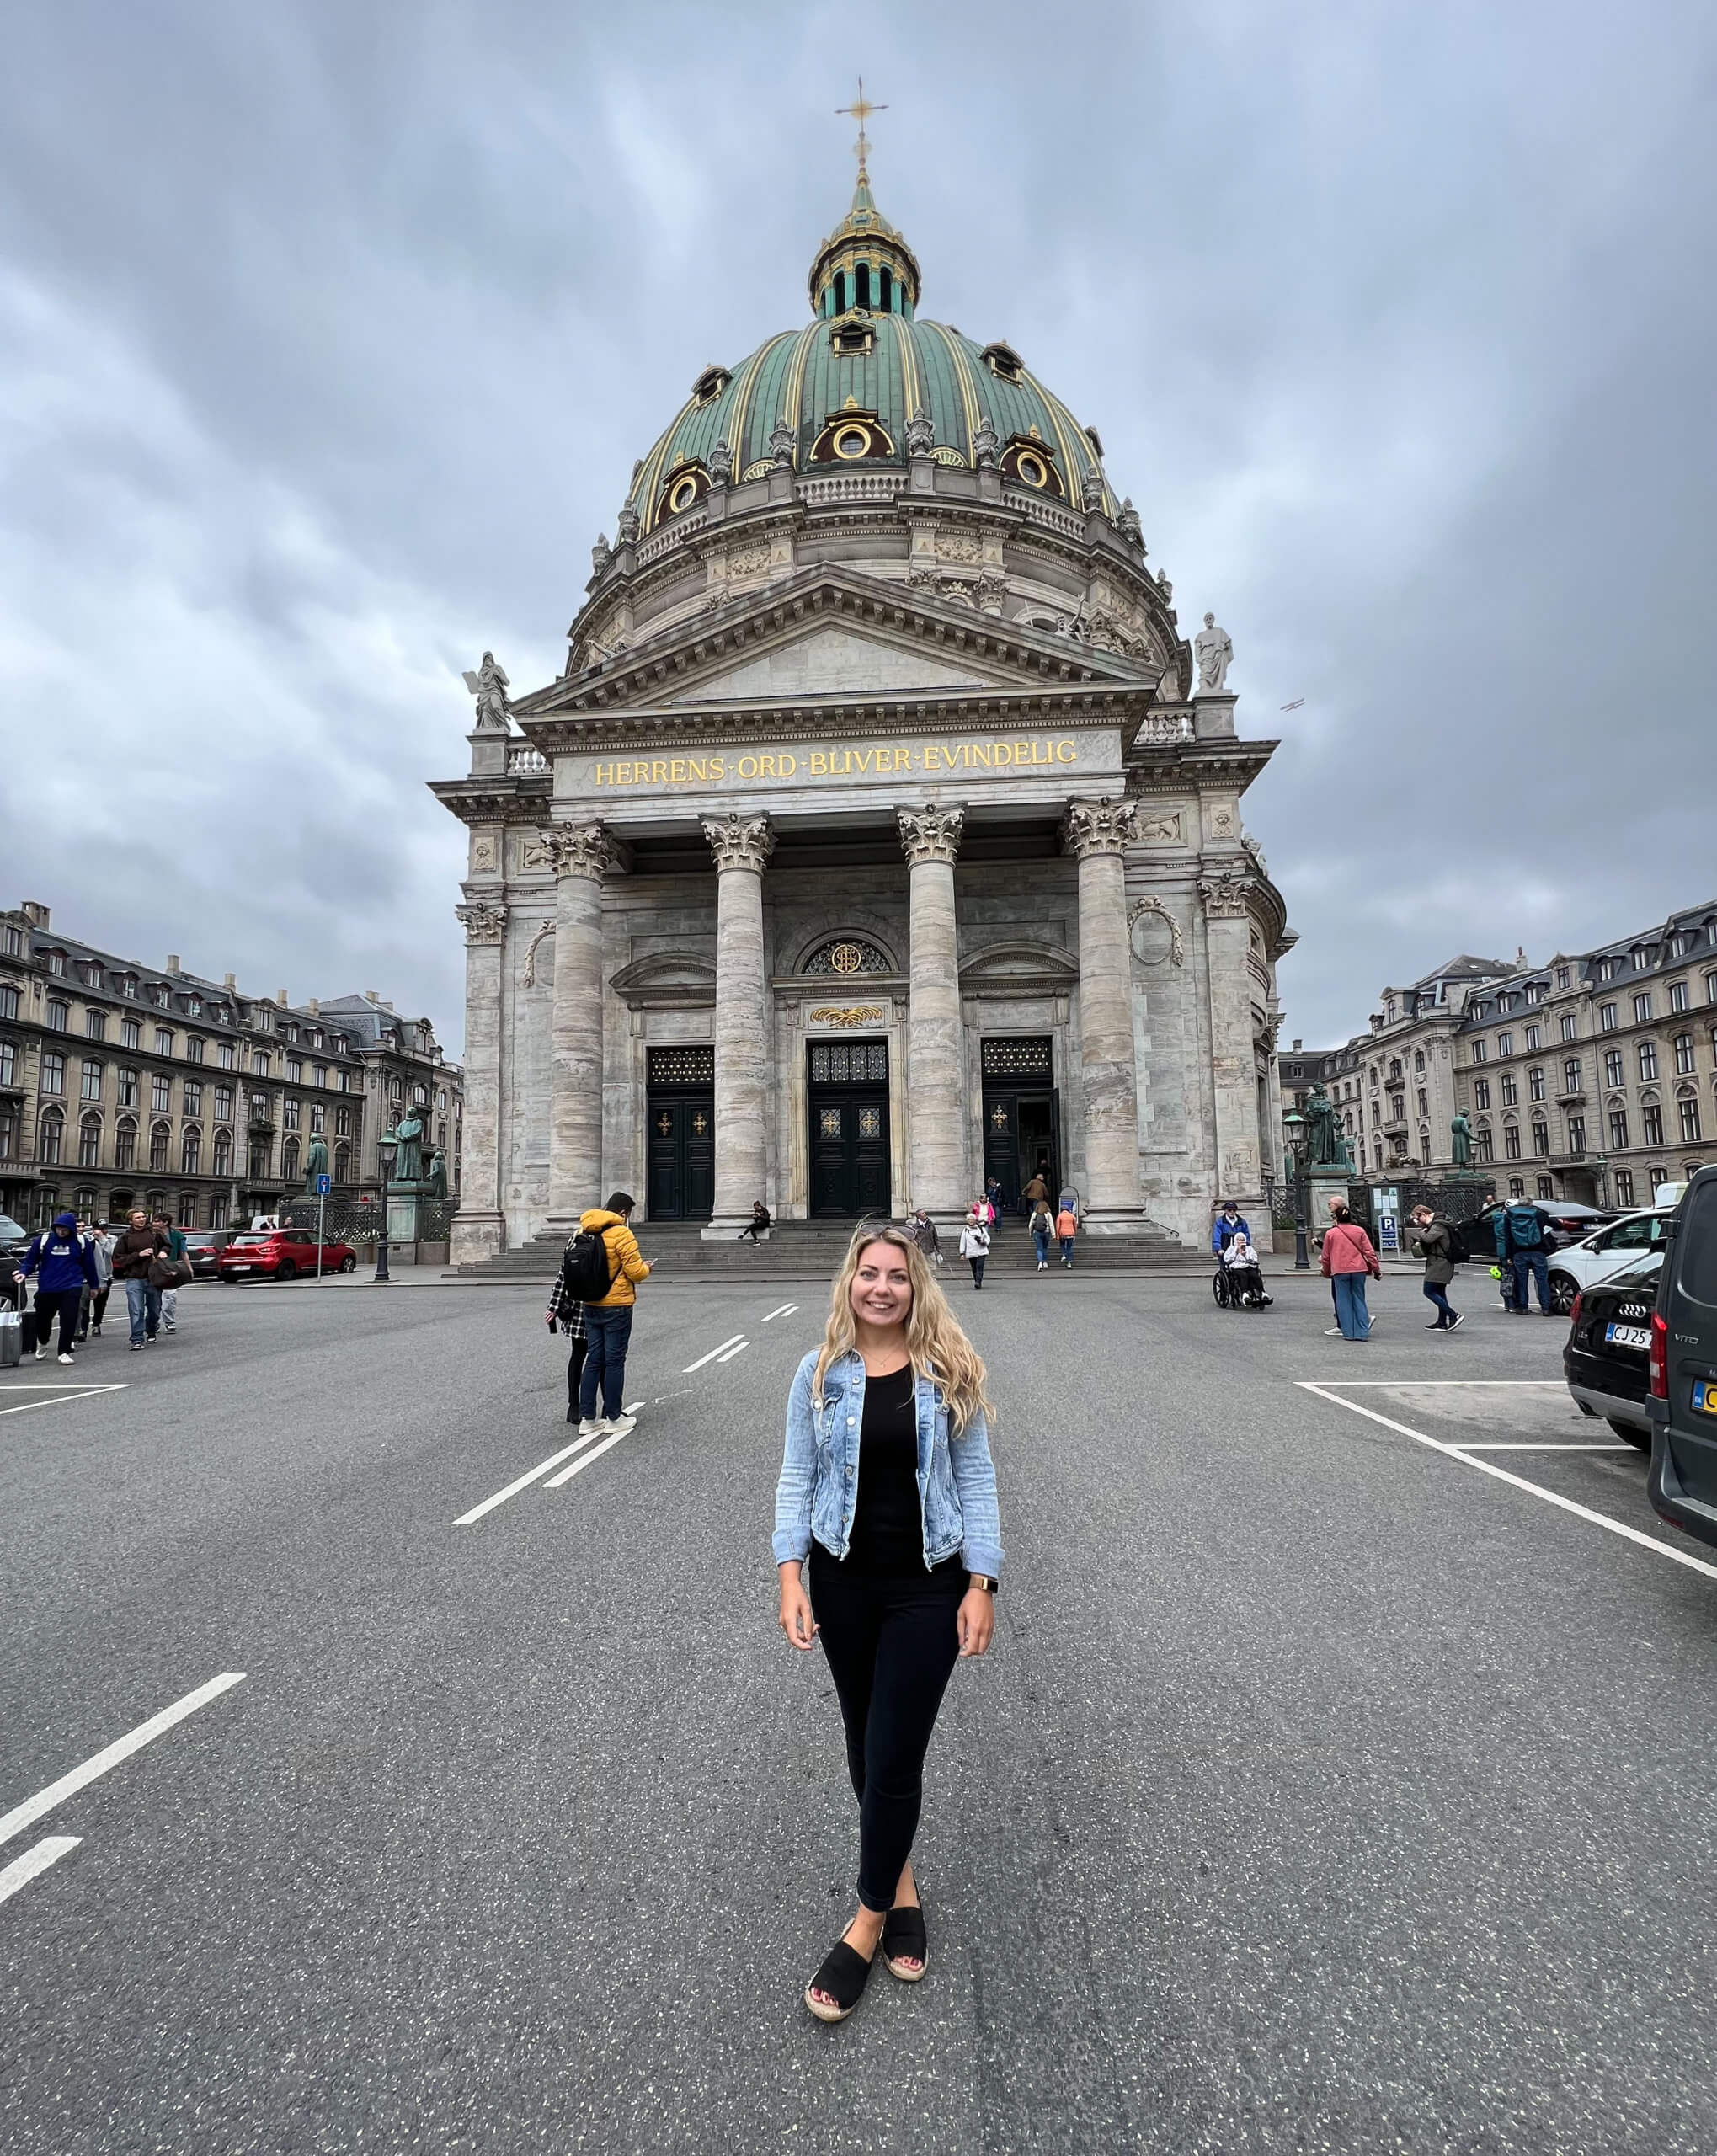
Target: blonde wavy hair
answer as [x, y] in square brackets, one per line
[937, 1346]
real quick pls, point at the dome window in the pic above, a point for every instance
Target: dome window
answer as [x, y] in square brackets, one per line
[686, 484]
[1031, 462]
[849, 437]
[1004, 362]
[710, 384]
[851, 339]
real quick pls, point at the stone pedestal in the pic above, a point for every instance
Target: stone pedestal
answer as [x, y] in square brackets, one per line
[1322, 1184]
[1096, 832]
[580, 857]
[479, 1230]
[741, 846]
[935, 1123]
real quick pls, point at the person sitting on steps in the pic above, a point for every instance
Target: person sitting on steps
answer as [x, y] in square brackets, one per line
[757, 1224]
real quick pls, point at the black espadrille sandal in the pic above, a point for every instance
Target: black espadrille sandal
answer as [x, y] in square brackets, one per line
[903, 1933]
[844, 1975]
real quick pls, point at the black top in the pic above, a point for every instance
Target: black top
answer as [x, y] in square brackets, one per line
[887, 1527]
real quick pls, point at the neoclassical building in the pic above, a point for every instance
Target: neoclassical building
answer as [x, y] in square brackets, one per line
[874, 838]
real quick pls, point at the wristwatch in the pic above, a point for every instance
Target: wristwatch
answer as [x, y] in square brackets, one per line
[983, 1580]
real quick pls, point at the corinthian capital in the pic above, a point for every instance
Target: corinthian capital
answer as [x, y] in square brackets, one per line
[1103, 826]
[1224, 895]
[930, 833]
[485, 922]
[570, 849]
[739, 841]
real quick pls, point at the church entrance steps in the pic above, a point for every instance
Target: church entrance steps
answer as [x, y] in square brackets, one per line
[814, 1249]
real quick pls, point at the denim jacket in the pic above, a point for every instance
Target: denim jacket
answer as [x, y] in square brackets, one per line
[817, 1493]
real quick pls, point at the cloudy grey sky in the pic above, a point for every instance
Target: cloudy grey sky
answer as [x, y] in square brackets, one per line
[329, 333]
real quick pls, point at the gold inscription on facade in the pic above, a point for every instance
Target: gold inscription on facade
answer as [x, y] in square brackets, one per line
[883, 759]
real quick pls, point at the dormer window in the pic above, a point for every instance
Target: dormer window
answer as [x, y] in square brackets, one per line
[851, 435]
[686, 484]
[1004, 362]
[851, 339]
[710, 384]
[1029, 462]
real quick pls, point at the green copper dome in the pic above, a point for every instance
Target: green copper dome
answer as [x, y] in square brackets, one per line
[845, 386]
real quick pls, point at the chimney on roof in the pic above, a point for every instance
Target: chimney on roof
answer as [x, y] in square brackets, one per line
[386, 1005]
[1299, 1044]
[370, 996]
[173, 962]
[1519, 957]
[229, 982]
[313, 1007]
[280, 997]
[34, 912]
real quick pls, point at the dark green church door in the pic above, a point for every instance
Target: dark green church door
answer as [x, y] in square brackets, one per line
[849, 1108]
[680, 1118]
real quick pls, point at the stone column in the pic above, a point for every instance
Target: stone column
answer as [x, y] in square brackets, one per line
[1228, 932]
[741, 846]
[578, 856]
[935, 1122]
[1097, 832]
[478, 1226]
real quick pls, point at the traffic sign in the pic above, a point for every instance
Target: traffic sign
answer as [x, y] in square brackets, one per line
[323, 1185]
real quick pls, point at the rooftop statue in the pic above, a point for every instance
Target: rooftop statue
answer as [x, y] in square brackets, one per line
[626, 531]
[1215, 654]
[780, 442]
[920, 434]
[489, 684]
[985, 443]
[1091, 493]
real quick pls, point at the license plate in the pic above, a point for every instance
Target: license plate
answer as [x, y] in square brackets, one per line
[1629, 1336]
[239, 1268]
[1705, 1397]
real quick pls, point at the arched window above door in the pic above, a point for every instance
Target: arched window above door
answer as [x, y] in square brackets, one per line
[849, 955]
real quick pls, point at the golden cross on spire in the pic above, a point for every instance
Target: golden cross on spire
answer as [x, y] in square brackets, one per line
[861, 110]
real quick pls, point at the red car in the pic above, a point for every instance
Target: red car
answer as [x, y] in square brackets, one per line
[281, 1254]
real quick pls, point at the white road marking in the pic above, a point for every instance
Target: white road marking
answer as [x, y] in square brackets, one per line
[65, 1394]
[738, 1348]
[732, 1342]
[1448, 1384]
[787, 1309]
[1490, 1448]
[34, 1862]
[579, 1467]
[1464, 1454]
[32, 1809]
[524, 1482]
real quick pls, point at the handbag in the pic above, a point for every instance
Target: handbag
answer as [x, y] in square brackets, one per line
[162, 1273]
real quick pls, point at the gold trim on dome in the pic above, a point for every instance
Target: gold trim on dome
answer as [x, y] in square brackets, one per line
[968, 388]
[741, 403]
[759, 470]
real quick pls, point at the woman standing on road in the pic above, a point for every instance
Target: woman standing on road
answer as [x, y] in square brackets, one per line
[1347, 1258]
[887, 1484]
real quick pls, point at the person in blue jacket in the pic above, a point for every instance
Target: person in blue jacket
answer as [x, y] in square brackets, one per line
[64, 1266]
[1228, 1224]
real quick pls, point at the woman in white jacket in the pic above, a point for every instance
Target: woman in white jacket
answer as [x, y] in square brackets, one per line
[974, 1242]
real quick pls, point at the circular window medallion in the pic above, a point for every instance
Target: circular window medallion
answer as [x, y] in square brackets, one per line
[1031, 470]
[682, 493]
[847, 958]
[853, 441]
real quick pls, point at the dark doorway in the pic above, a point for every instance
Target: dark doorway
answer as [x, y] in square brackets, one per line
[680, 1116]
[849, 1111]
[1021, 1117]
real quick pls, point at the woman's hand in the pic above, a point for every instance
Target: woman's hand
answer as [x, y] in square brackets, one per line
[796, 1619]
[976, 1621]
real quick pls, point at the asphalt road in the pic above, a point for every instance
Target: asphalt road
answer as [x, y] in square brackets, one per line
[1322, 1790]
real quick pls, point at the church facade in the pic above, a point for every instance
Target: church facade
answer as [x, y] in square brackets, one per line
[877, 838]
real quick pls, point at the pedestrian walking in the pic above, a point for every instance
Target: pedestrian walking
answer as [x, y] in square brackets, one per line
[1347, 1258]
[134, 1255]
[1432, 1240]
[61, 1261]
[904, 1561]
[1035, 1192]
[608, 1317]
[974, 1242]
[101, 1249]
[1228, 1224]
[1043, 1231]
[757, 1224]
[991, 1195]
[923, 1231]
[566, 1312]
[175, 1257]
[1066, 1228]
[1524, 1233]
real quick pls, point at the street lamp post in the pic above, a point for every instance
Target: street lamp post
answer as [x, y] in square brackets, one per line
[385, 1144]
[1294, 1123]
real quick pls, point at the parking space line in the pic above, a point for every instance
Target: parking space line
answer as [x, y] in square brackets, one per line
[738, 1347]
[63, 1396]
[787, 1309]
[1490, 1448]
[32, 1808]
[577, 1467]
[524, 1482]
[1464, 1454]
[732, 1340]
[34, 1862]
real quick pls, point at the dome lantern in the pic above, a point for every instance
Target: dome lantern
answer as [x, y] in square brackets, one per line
[864, 265]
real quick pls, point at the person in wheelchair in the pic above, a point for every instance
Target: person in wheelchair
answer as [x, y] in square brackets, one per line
[1243, 1276]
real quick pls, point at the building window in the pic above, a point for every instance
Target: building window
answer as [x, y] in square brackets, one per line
[1535, 1038]
[1684, 1064]
[260, 1063]
[160, 1138]
[14, 943]
[126, 1143]
[1607, 1017]
[1478, 1051]
[1642, 1009]
[261, 1152]
[1678, 995]
[130, 1034]
[318, 1118]
[289, 1112]
[1570, 1027]
[1504, 1044]
[1576, 1133]
[1535, 1082]
[89, 1142]
[188, 1208]
[342, 1121]
[1651, 1124]
[222, 1162]
[190, 1153]
[1690, 1122]
[289, 1161]
[1546, 1187]
[1613, 1066]
[193, 1048]
[318, 1074]
[1648, 1059]
[295, 1069]
[1517, 1187]
[1619, 1130]
[1624, 1187]
[1570, 1075]
[163, 1040]
[53, 1072]
[90, 1087]
[59, 1017]
[218, 1211]
[1561, 976]
[1481, 1092]
[9, 1001]
[193, 1096]
[1510, 1090]
[9, 1062]
[160, 1093]
[1486, 1145]
[1511, 1141]
[1711, 988]
[1423, 1104]
[223, 1104]
[225, 1055]
[95, 1025]
[343, 1164]
[1541, 1140]
[50, 1133]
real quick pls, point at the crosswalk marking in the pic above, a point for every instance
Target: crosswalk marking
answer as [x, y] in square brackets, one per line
[732, 1341]
[738, 1347]
[786, 1310]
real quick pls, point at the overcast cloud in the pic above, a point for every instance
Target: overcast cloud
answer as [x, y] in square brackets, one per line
[330, 335]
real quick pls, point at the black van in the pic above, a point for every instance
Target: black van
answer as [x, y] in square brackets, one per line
[1683, 1400]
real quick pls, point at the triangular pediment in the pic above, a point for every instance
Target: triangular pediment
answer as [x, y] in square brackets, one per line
[835, 659]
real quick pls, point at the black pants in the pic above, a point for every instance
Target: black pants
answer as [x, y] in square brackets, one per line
[753, 1229]
[94, 1309]
[65, 1303]
[892, 1644]
[976, 1265]
[575, 1369]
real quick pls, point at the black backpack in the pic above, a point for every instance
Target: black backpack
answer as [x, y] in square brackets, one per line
[587, 1268]
[1459, 1254]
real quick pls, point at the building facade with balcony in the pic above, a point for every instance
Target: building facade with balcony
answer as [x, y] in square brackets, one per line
[123, 1084]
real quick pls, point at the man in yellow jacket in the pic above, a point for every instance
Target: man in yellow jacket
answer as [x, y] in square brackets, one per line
[609, 1321]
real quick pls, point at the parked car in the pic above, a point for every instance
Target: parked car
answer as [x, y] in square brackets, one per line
[14, 1236]
[1682, 1399]
[1607, 1358]
[281, 1254]
[1612, 1249]
[203, 1253]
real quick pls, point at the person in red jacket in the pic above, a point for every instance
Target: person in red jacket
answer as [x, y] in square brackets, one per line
[1348, 1257]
